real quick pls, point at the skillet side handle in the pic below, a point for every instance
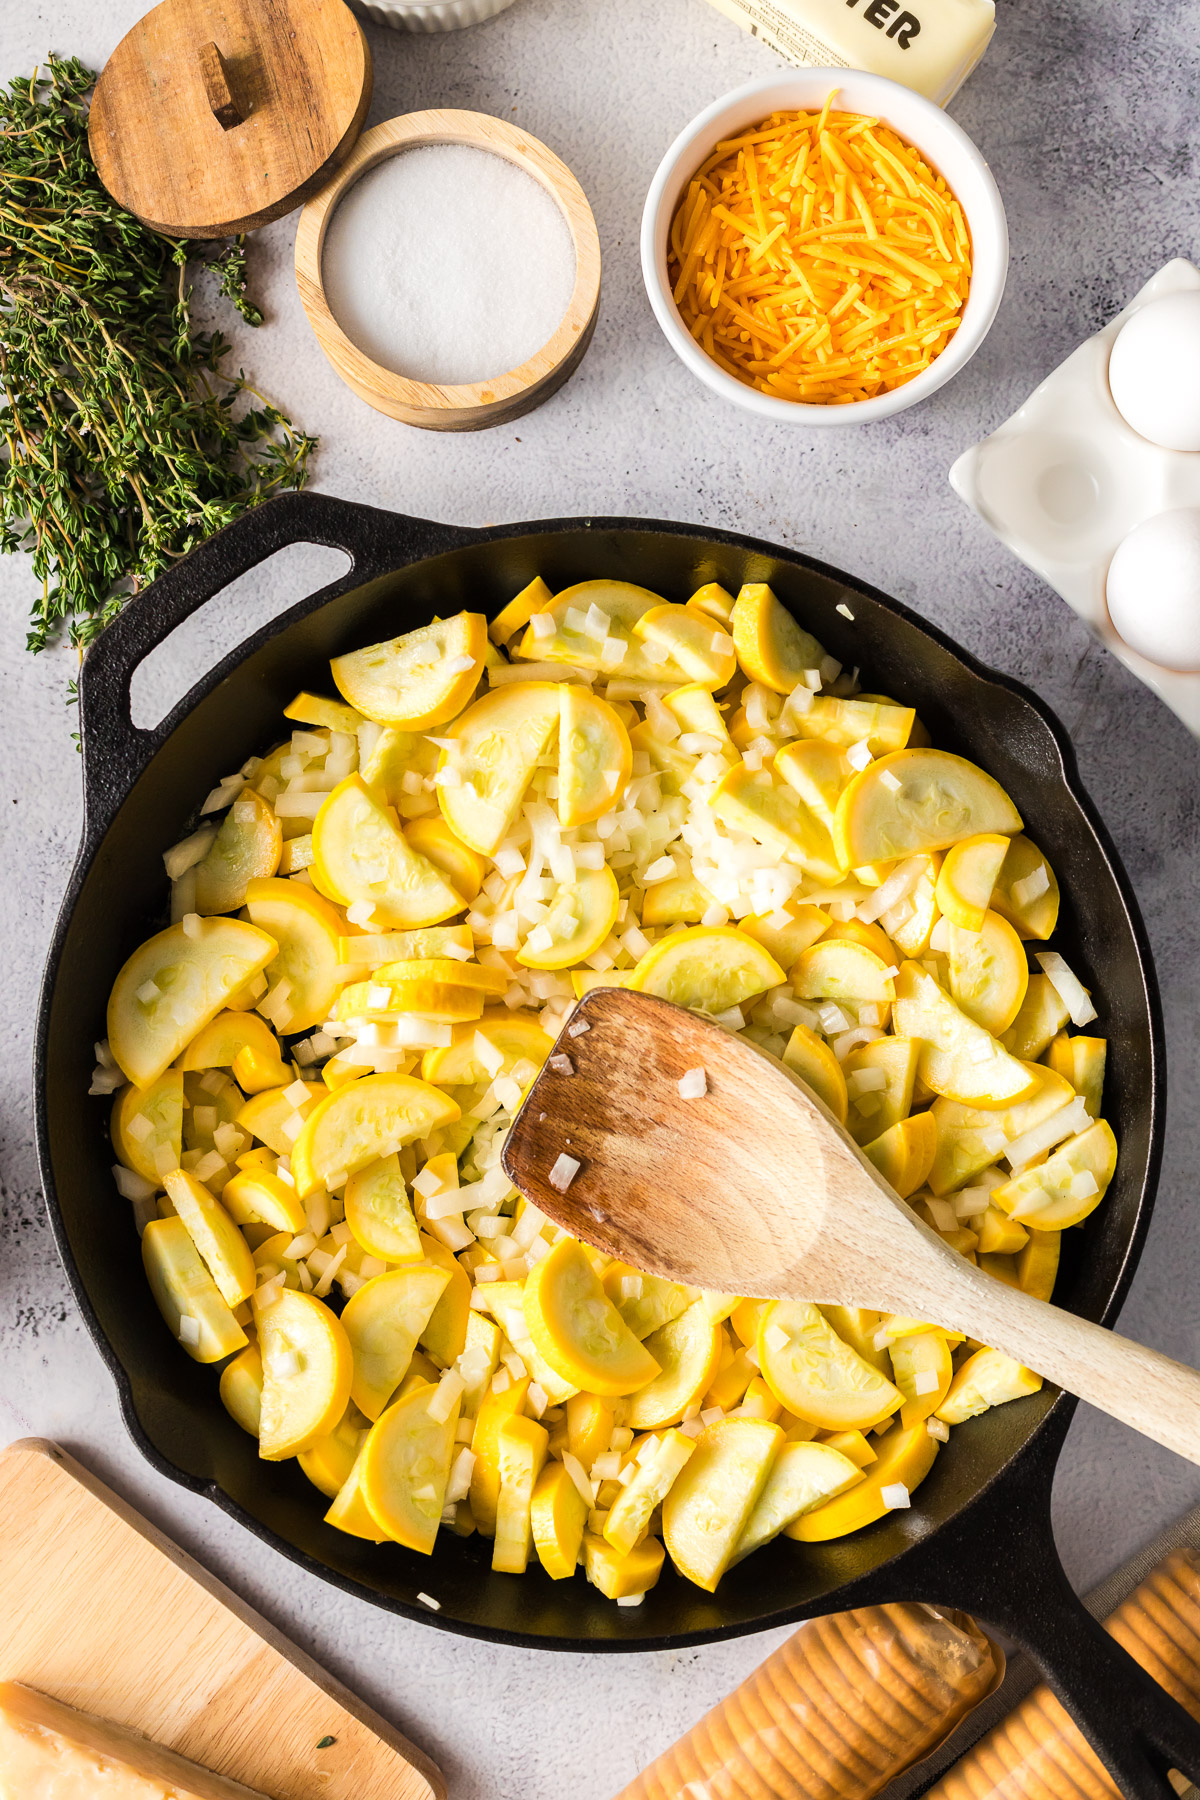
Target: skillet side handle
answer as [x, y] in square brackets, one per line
[998, 1560]
[115, 750]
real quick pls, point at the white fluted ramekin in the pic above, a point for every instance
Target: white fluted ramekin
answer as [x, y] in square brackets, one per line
[441, 15]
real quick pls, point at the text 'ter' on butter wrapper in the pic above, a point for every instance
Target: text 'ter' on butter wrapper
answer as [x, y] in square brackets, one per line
[929, 45]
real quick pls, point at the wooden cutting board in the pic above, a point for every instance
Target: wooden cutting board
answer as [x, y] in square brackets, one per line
[101, 1611]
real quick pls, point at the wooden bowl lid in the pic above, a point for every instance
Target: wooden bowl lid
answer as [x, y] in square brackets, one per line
[214, 116]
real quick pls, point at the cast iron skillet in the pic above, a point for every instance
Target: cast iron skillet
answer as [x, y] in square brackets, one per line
[978, 1535]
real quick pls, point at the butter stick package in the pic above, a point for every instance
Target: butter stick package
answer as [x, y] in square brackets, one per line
[1037, 1753]
[839, 1710]
[929, 45]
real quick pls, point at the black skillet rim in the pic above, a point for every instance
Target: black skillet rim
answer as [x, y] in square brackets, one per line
[1044, 1440]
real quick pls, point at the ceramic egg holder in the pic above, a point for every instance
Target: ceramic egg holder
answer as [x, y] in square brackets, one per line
[1065, 480]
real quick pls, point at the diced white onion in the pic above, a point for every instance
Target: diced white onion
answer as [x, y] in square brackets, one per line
[943, 1215]
[1067, 1122]
[776, 1338]
[429, 1601]
[607, 1466]
[1067, 986]
[189, 1329]
[563, 1172]
[895, 1495]
[926, 1381]
[131, 1186]
[937, 1428]
[1032, 887]
[693, 1084]
[578, 1027]
[844, 610]
[1084, 1185]
[971, 1202]
[576, 1471]
[859, 755]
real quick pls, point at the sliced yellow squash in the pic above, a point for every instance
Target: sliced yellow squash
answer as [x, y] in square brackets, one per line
[988, 1378]
[308, 931]
[882, 1075]
[171, 987]
[307, 1368]
[383, 1320]
[595, 756]
[255, 1196]
[432, 838]
[621, 1577]
[580, 917]
[492, 752]
[147, 1126]
[810, 1057]
[591, 621]
[937, 800]
[186, 1294]
[578, 1330]
[696, 644]
[523, 1444]
[959, 1059]
[817, 1376]
[1037, 1263]
[1068, 1186]
[968, 874]
[1081, 1061]
[513, 1037]
[988, 972]
[275, 1119]
[329, 1461]
[495, 1410]
[361, 1122]
[557, 1516]
[679, 900]
[1026, 891]
[379, 1213]
[629, 1517]
[770, 646]
[222, 1247]
[1043, 1014]
[904, 1153]
[406, 1468]
[714, 1497]
[645, 1302]
[420, 679]
[708, 967]
[970, 1138]
[224, 1037]
[514, 617]
[923, 1371]
[905, 1455]
[248, 845]
[803, 1476]
[687, 1351]
[841, 971]
[361, 857]
[770, 812]
[818, 771]
[879, 724]
[240, 1389]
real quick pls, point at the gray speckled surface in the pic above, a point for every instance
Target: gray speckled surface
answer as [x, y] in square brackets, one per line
[1087, 115]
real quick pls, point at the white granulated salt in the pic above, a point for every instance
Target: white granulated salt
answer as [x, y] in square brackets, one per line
[448, 264]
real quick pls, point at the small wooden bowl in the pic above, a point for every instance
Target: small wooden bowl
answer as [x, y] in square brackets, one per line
[474, 405]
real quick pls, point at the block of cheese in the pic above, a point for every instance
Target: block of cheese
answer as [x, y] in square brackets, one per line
[51, 1752]
[929, 45]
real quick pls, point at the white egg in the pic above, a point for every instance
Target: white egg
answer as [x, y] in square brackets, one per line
[1154, 589]
[1154, 371]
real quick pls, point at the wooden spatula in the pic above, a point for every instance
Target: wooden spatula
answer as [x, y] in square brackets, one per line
[754, 1188]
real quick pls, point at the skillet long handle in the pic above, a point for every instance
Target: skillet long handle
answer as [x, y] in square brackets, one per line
[1139, 1386]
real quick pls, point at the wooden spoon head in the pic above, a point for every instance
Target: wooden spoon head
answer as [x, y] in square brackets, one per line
[752, 1188]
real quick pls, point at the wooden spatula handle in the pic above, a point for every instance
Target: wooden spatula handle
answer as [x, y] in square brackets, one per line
[1142, 1388]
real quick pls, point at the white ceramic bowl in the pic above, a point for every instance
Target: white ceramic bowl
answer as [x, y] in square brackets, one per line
[440, 15]
[943, 143]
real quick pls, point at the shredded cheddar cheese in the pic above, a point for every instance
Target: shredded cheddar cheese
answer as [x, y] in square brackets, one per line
[819, 258]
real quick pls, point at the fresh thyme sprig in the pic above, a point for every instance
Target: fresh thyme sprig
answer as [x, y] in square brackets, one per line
[122, 443]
